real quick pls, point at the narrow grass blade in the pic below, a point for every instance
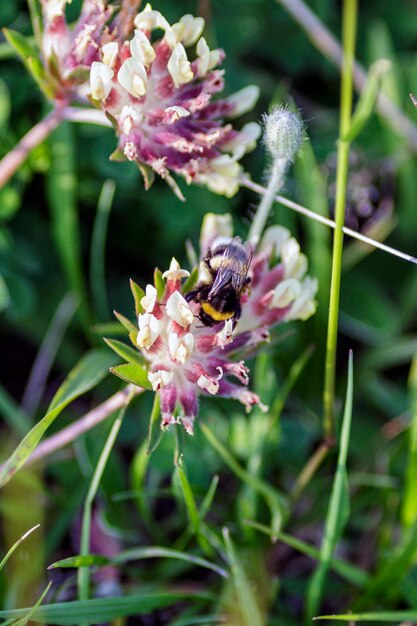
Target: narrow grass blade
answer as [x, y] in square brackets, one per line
[30, 613]
[61, 186]
[382, 616]
[409, 503]
[16, 545]
[250, 611]
[338, 509]
[367, 100]
[104, 610]
[274, 500]
[351, 573]
[90, 370]
[81, 560]
[84, 573]
[46, 354]
[137, 554]
[98, 251]
[192, 510]
[152, 552]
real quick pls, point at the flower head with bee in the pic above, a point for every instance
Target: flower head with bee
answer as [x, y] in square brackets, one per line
[158, 93]
[193, 334]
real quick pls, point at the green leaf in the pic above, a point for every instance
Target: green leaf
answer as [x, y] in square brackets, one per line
[103, 609]
[159, 283]
[192, 510]
[4, 294]
[87, 560]
[367, 99]
[154, 439]
[86, 375]
[338, 509]
[138, 294]
[29, 55]
[191, 281]
[132, 374]
[130, 327]
[125, 351]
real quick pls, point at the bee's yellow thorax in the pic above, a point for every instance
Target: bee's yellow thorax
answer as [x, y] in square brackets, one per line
[218, 316]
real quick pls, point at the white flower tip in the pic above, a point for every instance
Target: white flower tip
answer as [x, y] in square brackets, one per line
[100, 80]
[224, 337]
[180, 347]
[191, 29]
[132, 77]
[211, 385]
[149, 330]
[284, 132]
[141, 48]
[175, 272]
[160, 378]
[178, 309]
[149, 299]
[179, 66]
[110, 51]
[243, 100]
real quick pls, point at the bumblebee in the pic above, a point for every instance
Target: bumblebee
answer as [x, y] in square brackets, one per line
[223, 277]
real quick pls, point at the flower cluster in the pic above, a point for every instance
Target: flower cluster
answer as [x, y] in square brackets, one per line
[184, 358]
[68, 52]
[159, 96]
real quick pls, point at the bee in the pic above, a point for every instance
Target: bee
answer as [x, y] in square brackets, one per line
[223, 277]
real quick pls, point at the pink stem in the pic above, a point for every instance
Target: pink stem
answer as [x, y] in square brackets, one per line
[89, 420]
[18, 155]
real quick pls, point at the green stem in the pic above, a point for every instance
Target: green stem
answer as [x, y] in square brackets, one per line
[349, 37]
[275, 183]
[83, 579]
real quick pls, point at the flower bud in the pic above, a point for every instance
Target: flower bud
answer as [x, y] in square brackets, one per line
[283, 134]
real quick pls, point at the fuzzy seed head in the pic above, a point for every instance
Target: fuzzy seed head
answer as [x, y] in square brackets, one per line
[283, 133]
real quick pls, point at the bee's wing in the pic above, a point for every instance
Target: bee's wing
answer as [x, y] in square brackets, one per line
[233, 267]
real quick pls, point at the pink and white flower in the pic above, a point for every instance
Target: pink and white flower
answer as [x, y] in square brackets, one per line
[186, 359]
[159, 96]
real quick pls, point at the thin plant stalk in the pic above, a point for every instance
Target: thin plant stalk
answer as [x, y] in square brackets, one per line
[349, 37]
[33, 138]
[85, 423]
[302, 210]
[83, 577]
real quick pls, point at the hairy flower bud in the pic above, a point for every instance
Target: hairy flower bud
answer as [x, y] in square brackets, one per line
[283, 134]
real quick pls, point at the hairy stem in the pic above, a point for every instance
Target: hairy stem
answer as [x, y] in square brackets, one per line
[349, 37]
[249, 184]
[275, 183]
